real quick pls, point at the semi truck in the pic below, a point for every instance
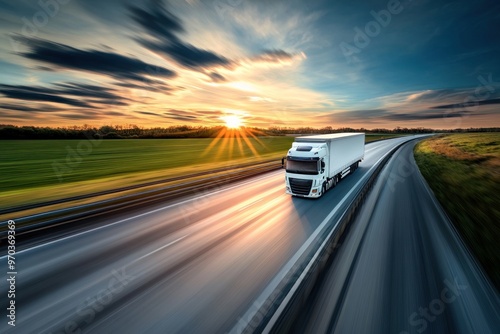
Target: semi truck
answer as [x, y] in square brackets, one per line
[315, 164]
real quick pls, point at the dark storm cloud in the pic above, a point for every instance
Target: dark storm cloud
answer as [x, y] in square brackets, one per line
[96, 61]
[164, 27]
[58, 94]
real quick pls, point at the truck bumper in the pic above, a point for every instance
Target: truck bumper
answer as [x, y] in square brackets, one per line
[314, 193]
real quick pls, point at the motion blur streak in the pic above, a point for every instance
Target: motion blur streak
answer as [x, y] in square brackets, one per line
[402, 268]
[195, 267]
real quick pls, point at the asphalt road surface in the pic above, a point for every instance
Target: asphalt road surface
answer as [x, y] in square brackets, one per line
[194, 265]
[402, 268]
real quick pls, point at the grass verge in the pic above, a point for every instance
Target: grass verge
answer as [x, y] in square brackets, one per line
[463, 170]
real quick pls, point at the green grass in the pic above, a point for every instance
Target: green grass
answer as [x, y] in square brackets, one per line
[463, 170]
[40, 170]
[34, 170]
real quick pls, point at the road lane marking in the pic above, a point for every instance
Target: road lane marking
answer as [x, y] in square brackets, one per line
[253, 180]
[158, 249]
[140, 215]
[265, 295]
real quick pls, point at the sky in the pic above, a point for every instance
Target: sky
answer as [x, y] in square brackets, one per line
[317, 63]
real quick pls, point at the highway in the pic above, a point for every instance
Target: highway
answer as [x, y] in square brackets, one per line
[196, 265]
[402, 268]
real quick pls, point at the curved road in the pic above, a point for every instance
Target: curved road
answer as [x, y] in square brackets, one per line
[402, 267]
[187, 266]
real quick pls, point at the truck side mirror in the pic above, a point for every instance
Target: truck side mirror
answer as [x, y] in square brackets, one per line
[322, 166]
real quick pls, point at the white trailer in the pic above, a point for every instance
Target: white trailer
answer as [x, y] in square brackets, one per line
[315, 164]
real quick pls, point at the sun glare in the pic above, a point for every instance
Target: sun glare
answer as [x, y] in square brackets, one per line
[232, 121]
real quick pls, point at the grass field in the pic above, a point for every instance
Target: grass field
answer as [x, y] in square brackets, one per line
[40, 170]
[463, 170]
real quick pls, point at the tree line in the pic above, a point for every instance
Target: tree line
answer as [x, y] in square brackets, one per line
[185, 131]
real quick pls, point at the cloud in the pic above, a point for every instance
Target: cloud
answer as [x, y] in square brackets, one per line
[161, 23]
[159, 87]
[60, 92]
[79, 116]
[274, 56]
[182, 115]
[23, 108]
[38, 94]
[187, 55]
[216, 77]
[466, 104]
[163, 28]
[384, 115]
[95, 61]
[149, 113]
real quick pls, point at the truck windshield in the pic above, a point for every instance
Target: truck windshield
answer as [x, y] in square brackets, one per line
[302, 167]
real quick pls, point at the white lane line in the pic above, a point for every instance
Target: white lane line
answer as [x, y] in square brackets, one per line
[158, 249]
[138, 216]
[266, 294]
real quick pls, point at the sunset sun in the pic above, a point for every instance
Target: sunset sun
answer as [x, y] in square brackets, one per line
[232, 121]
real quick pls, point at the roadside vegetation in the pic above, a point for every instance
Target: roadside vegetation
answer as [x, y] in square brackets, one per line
[132, 131]
[463, 171]
[40, 170]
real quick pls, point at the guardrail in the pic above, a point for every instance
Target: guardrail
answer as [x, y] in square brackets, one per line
[131, 187]
[62, 218]
[286, 298]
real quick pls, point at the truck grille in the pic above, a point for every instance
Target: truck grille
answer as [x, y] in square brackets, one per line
[300, 187]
